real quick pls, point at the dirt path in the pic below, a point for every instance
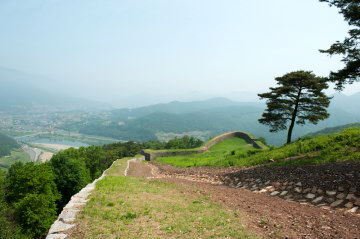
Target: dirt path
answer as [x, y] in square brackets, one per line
[271, 217]
[137, 168]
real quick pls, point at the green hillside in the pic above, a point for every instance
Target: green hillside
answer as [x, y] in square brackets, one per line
[335, 147]
[335, 129]
[7, 144]
[208, 122]
[217, 152]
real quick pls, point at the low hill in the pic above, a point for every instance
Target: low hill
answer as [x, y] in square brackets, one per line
[7, 144]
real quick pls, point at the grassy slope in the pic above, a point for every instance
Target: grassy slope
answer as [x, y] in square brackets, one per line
[129, 207]
[216, 153]
[334, 129]
[17, 155]
[320, 149]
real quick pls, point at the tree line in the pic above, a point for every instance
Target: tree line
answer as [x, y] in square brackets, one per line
[32, 194]
[7, 144]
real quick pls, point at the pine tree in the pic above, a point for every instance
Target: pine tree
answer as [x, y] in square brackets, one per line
[350, 47]
[298, 98]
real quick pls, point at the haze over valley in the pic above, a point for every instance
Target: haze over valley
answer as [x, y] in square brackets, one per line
[179, 119]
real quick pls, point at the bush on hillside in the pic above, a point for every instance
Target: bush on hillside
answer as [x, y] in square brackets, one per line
[185, 142]
[320, 149]
[7, 144]
[71, 173]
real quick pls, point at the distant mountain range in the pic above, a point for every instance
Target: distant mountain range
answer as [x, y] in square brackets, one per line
[206, 118]
[19, 92]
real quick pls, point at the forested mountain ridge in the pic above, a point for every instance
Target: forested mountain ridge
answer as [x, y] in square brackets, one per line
[208, 117]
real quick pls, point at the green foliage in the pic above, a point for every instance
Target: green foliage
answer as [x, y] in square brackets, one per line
[317, 150]
[299, 98]
[122, 150]
[7, 144]
[75, 168]
[262, 140]
[333, 129]
[31, 191]
[95, 160]
[17, 155]
[349, 48]
[71, 174]
[185, 142]
[35, 213]
[8, 226]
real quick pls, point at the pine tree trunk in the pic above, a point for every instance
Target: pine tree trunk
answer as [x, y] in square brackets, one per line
[290, 130]
[293, 117]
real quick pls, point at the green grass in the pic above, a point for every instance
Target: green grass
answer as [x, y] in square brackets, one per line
[216, 153]
[129, 207]
[17, 155]
[322, 149]
[118, 167]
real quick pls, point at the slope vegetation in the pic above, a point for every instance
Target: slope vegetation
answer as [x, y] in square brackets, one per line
[335, 147]
[7, 144]
[134, 207]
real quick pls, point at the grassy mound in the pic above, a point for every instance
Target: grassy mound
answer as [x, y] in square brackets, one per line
[316, 150]
[216, 153]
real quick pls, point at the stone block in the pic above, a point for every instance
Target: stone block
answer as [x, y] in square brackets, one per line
[283, 193]
[310, 196]
[318, 199]
[337, 203]
[330, 193]
[274, 193]
[341, 196]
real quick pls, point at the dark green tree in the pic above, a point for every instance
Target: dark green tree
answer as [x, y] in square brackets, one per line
[298, 98]
[350, 47]
[71, 174]
[31, 191]
[8, 226]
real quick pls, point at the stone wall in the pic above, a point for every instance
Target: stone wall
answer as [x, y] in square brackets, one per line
[155, 154]
[229, 135]
[66, 218]
[334, 185]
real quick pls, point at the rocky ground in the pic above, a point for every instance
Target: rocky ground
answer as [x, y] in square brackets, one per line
[278, 216]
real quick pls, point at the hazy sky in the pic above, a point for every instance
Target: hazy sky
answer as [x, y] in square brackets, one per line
[106, 49]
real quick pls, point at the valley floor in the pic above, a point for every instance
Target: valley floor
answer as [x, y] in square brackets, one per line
[163, 202]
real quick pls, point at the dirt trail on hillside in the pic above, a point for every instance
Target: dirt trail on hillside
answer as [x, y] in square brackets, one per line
[269, 217]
